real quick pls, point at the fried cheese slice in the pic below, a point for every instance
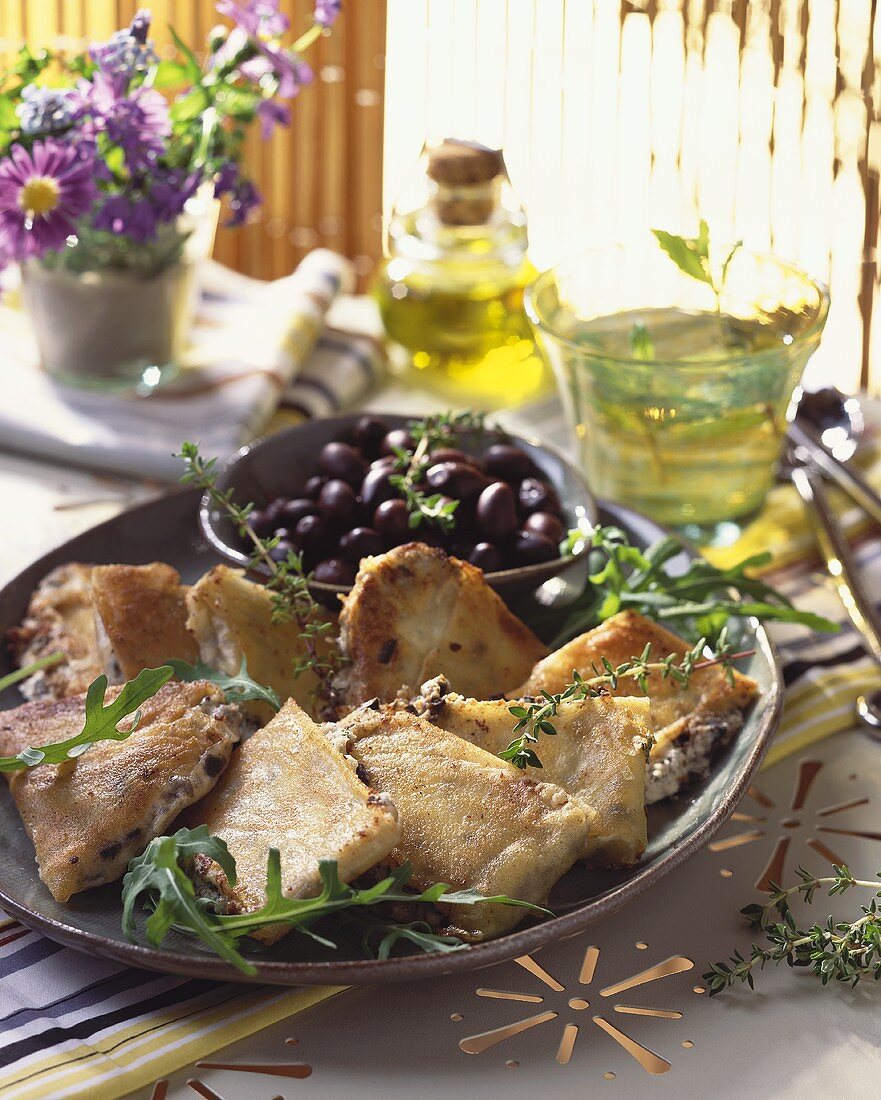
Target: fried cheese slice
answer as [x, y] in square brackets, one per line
[688, 723]
[289, 788]
[414, 613]
[231, 618]
[60, 619]
[141, 616]
[89, 816]
[468, 819]
[599, 755]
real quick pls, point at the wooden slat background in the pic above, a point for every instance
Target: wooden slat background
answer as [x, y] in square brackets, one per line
[761, 114]
[322, 179]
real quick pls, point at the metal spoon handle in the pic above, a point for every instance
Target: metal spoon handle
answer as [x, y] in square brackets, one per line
[843, 475]
[839, 559]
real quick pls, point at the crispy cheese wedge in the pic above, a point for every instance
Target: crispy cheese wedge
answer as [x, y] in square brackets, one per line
[687, 723]
[141, 616]
[414, 613]
[89, 816]
[289, 788]
[60, 619]
[468, 818]
[599, 755]
[231, 618]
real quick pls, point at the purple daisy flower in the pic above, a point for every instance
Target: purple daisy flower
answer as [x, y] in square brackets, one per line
[42, 193]
[327, 11]
[257, 18]
[138, 123]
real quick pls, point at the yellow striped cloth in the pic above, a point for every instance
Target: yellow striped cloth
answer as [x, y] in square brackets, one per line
[72, 1025]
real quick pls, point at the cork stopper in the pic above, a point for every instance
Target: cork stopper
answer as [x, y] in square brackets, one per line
[462, 163]
[464, 172]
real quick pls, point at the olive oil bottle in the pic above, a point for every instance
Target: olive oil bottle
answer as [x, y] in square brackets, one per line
[451, 289]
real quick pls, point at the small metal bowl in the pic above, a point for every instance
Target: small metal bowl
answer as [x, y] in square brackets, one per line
[279, 466]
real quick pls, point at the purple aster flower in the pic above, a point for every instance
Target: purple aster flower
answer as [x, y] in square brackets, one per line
[124, 217]
[244, 199]
[138, 123]
[326, 12]
[45, 110]
[170, 192]
[42, 193]
[272, 114]
[257, 18]
[127, 52]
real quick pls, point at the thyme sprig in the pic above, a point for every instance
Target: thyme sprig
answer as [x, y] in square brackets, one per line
[534, 718]
[288, 582]
[843, 951]
[437, 430]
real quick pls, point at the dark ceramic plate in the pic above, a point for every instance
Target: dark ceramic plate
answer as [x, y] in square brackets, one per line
[281, 464]
[166, 530]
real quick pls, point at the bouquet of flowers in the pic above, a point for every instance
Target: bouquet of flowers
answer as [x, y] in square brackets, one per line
[100, 152]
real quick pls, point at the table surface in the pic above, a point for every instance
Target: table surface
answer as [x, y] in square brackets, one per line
[663, 1037]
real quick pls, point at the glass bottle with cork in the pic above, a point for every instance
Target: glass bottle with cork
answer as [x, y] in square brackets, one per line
[451, 289]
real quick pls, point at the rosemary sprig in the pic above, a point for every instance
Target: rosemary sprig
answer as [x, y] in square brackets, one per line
[623, 577]
[288, 582]
[159, 878]
[843, 951]
[438, 430]
[535, 718]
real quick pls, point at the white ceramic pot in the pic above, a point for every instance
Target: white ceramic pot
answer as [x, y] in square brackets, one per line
[115, 329]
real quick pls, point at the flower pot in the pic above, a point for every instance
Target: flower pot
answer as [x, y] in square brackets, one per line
[120, 327]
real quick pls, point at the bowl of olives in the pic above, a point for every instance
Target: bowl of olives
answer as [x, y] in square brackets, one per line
[342, 489]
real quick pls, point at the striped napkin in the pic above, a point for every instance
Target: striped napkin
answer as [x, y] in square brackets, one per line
[73, 1026]
[255, 346]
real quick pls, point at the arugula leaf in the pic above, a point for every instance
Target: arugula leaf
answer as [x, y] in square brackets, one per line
[690, 254]
[28, 670]
[389, 932]
[101, 722]
[159, 877]
[622, 576]
[239, 688]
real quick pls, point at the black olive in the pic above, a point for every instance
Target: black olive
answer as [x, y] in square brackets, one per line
[292, 511]
[451, 454]
[375, 488]
[535, 495]
[456, 479]
[543, 523]
[342, 462]
[496, 512]
[486, 557]
[398, 437]
[281, 550]
[531, 549]
[508, 462]
[392, 520]
[313, 487]
[334, 571]
[369, 434]
[360, 542]
[337, 500]
[311, 532]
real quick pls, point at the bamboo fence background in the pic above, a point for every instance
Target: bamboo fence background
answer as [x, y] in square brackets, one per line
[321, 179]
[760, 114]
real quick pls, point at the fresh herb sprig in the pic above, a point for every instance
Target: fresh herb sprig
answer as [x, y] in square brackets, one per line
[159, 878]
[692, 256]
[239, 688]
[101, 722]
[534, 718]
[842, 951]
[288, 582]
[623, 577]
[438, 430]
